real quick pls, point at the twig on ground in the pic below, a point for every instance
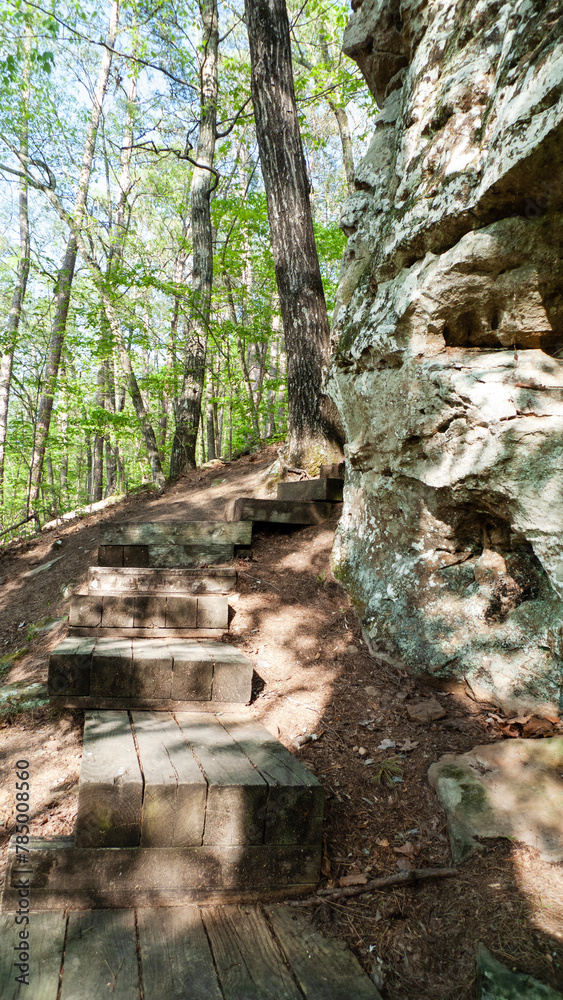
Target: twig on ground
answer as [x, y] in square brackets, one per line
[267, 582]
[401, 878]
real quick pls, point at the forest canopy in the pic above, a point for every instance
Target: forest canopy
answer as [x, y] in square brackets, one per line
[102, 116]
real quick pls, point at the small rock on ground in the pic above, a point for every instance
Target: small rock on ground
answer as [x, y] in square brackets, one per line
[496, 982]
[510, 789]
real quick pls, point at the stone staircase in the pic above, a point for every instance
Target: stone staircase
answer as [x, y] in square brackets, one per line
[183, 797]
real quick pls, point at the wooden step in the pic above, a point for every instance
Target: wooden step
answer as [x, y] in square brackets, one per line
[192, 780]
[280, 511]
[164, 556]
[160, 612]
[312, 489]
[154, 582]
[336, 470]
[147, 673]
[65, 876]
[178, 533]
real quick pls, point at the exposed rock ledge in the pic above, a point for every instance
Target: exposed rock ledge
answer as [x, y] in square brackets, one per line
[448, 335]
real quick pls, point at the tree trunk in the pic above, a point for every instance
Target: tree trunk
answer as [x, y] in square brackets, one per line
[98, 448]
[210, 427]
[346, 143]
[22, 274]
[66, 273]
[188, 405]
[314, 433]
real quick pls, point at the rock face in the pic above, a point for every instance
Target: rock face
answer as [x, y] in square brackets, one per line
[448, 344]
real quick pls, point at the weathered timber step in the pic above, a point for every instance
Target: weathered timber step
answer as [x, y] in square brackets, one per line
[161, 612]
[178, 533]
[191, 780]
[69, 877]
[154, 582]
[312, 489]
[280, 511]
[147, 673]
[172, 543]
[336, 470]
[204, 953]
[163, 556]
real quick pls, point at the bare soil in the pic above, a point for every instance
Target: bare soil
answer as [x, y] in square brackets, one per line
[314, 677]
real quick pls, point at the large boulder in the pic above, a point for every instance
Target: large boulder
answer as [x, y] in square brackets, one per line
[448, 330]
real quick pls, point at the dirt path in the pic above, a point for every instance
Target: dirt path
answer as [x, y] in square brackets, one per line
[314, 676]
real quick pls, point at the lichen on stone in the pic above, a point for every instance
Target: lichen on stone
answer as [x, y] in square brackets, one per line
[448, 372]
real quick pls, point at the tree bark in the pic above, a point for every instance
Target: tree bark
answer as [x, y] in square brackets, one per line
[188, 405]
[314, 433]
[66, 273]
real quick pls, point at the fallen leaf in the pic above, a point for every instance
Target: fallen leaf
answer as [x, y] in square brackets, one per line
[362, 826]
[410, 850]
[386, 745]
[325, 865]
[404, 865]
[352, 880]
[409, 745]
[383, 842]
[537, 727]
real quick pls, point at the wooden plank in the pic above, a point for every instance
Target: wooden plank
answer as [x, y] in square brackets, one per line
[237, 793]
[249, 963]
[110, 792]
[110, 555]
[69, 667]
[175, 956]
[151, 675]
[147, 704]
[85, 610]
[112, 667]
[102, 580]
[181, 612]
[212, 612]
[101, 956]
[41, 950]
[325, 968]
[199, 554]
[136, 555]
[118, 612]
[150, 611]
[175, 789]
[281, 511]
[87, 877]
[192, 672]
[312, 489]
[149, 633]
[334, 471]
[295, 800]
[177, 533]
[232, 673]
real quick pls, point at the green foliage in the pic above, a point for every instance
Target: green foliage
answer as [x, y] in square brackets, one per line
[146, 261]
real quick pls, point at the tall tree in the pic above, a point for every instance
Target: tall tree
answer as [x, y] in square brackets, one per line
[22, 272]
[314, 433]
[66, 272]
[188, 406]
